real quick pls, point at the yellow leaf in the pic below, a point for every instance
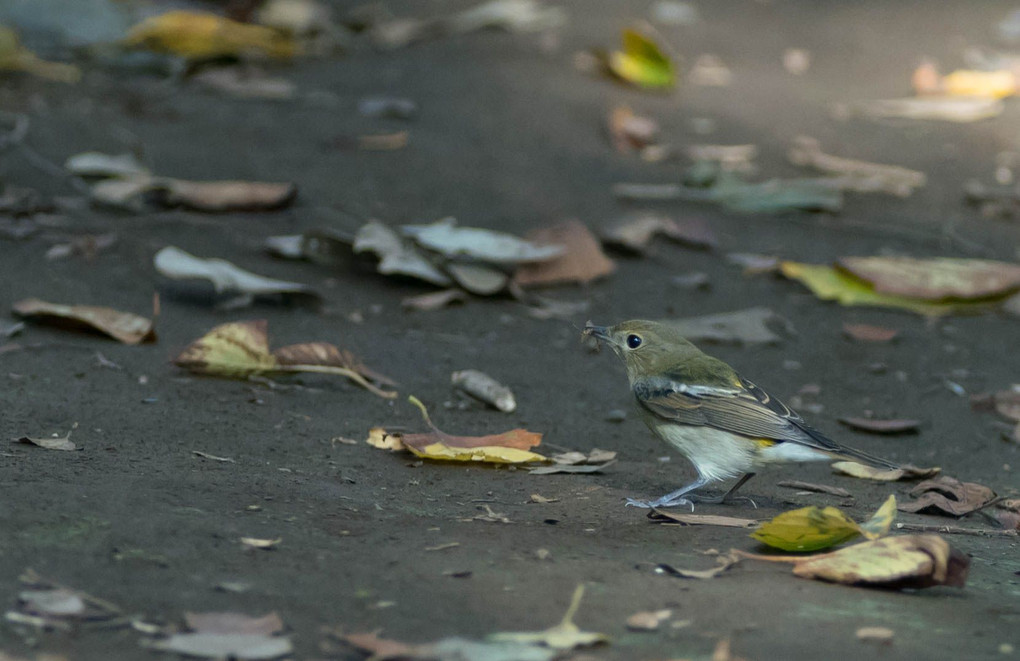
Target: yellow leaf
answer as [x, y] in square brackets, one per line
[905, 472]
[813, 528]
[490, 453]
[906, 561]
[200, 35]
[880, 522]
[235, 350]
[564, 636]
[15, 57]
[807, 529]
[380, 438]
[832, 284]
[969, 82]
[642, 62]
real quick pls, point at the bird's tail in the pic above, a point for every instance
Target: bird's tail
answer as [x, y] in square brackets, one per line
[863, 458]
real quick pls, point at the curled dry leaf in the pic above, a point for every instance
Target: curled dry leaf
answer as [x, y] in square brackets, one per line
[935, 279]
[635, 232]
[1004, 402]
[868, 333]
[648, 620]
[223, 196]
[241, 646]
[949, 496]
[483, 387]
[564, 636]
[900, 426]
[227, 279]
[448, 239]
[581, 261]
[63, 443]
[723, 563]
[509, 447]
[905, 472]
[226, 622]
[814, 528]
[397, 256]
[241, 349]
[447, 649]
[206, 36]
[260, 543]
[859, 176]
[875, 634]
[662, 516]
[630, 132]
[478, 278]
[122, 326]
[908, 561]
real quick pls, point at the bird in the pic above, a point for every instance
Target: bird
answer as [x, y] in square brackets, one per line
[724, 424]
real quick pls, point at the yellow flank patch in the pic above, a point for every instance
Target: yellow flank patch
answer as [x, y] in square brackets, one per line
[764, 443]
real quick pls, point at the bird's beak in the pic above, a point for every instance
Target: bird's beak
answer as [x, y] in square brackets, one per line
[599, 332]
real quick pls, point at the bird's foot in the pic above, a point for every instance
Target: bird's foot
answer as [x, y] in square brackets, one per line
[665, 501]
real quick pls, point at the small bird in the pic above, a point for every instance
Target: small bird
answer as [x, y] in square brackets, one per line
[724, 424]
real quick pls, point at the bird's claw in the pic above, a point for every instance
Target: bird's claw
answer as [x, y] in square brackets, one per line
[662, 502]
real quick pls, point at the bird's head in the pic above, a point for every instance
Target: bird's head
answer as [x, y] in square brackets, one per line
[647, 348]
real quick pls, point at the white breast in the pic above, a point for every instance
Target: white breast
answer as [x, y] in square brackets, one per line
[717, 455]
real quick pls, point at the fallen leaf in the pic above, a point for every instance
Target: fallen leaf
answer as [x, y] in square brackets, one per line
[728, 158]
[63, 443]
[122, 326]
[387, 107]
[814, 528]
[581, 260]
[260, 543]
[561, 468]
[484, 388]
[635, 232]
[15, 57]
[882, 426]
[945, 108]
[244, 82]
[935, 279]
[240, 646]
[434, 300]
[223, 196]
[536, 498]
[452, 241]
[905, 472]
[710, 71]
[564, 636]
[1004, 402]
[212, 457]
[509, 447]
[489, 516]
[875, 634]
[241, 349]
[478, 278]
[397, 256]
[868, 333]
[50, 602]
[596, 456]
[750, 326]
[860, 176]
[648, 620]
[88, 245]
[662, 516]
[206, 36]
[949, 496]
[448, 649]
[59, 602]
[98, 164]
[642, 62]
[908, 561]
[628, 131]
[818, 488]
[228, 280]
[227, 622]
[832, 283]
[723, 563]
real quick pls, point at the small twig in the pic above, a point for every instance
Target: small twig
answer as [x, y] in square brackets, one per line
[955, 530]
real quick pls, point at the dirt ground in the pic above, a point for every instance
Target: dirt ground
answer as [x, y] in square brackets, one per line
[510, 136]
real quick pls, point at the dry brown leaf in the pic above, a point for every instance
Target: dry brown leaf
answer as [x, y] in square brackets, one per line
[661, 516]
[908, 561]
[935, 279]
[325, 355]
[630, 132]
[875, 634]
[648, 620]
[1004, 402]
[947, 495]
[519, 439]
[582, 262]
[122, 326]
[899, 426]
[260, 543]
[635, 232]
[63, 443]
[868, 333]
[905, 472]
[222, 196]
[723, 563]
[234, 623]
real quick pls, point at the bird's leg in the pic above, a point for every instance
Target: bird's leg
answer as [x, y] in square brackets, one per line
[672, 499]
[715, 500]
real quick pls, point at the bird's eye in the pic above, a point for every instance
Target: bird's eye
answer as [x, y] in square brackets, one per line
[633, 341]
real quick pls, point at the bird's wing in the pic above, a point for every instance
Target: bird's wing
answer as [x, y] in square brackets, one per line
[743, 409]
